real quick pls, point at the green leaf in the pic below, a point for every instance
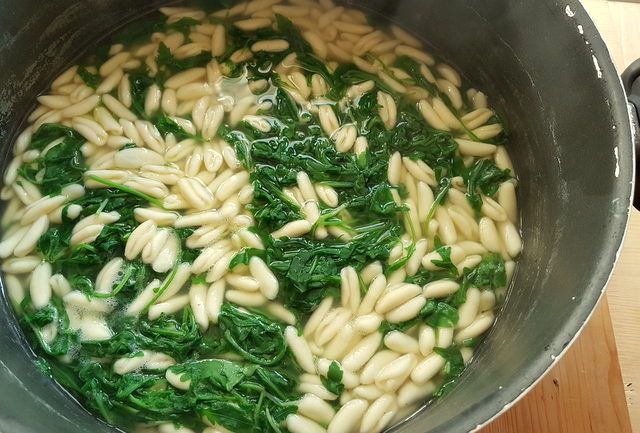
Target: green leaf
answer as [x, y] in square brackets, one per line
[172, 65]
[183, 25]
[166, 125]
[453, 367]
[445, 260]
[333, 381]
[444, 316]
[483, 177]
[140, 81]
[253, 336]
[128, 190]
[489, 274]
[91, 80]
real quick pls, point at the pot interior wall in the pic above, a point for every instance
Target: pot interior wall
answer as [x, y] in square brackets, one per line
[570, 142]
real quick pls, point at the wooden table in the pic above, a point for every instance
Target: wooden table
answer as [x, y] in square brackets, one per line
[593, 389]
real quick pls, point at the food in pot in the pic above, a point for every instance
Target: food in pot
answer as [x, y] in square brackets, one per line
[269, 218]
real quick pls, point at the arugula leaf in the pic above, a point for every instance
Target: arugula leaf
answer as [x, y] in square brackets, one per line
[254, 337]
[139, 32]
[422, 316]
[444, 316]
[445, 261]
[183, 25]
[489, 274]
[166, 125]
[91, 80]
[49, 132]
[172, 65]
[333, 381]
[62, 165]
[453, 368]
[483, 177]
[140, 81]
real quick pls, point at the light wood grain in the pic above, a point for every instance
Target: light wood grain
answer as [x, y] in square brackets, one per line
[581, 394]
[619, 25]
[624, 301]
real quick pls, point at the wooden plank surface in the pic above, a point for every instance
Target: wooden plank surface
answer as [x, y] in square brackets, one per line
[586, 390]
[583, 393]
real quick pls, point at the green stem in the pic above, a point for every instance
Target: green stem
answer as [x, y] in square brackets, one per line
[119, 287]
[124, 188]
[162, 289]
[445, 185]
[249, 356]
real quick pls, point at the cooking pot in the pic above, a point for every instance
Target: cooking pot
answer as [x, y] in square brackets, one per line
[543, 65]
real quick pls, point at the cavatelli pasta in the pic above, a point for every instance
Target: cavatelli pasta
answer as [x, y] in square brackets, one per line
[278, 194]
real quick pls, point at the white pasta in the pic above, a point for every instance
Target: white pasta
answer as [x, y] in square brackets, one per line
[368, 323]
[266, 279]
[300, 349]
[341, 343]
[388, 110]
[40, 286]
[489, 237]
[108, 275]
[376, 288]
[475, 328]
[469, 309]
[362, 352]
[348, 416]
[249, 183]
[143, 299]
[397, 295]
[246, 299]
[214, 299]
[293, 229]
[331, 325]
[317, 317]
[301, 424]
[407, 311]
[168, 307]
[411, 392]
[33, 232]
[197, 300]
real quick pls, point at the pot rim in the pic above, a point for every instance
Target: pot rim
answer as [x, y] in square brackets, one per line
[476, 416]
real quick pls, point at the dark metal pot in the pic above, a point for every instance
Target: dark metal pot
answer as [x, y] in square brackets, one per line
[542, 63]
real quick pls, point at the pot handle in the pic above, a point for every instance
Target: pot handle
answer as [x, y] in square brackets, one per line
[631, 83]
